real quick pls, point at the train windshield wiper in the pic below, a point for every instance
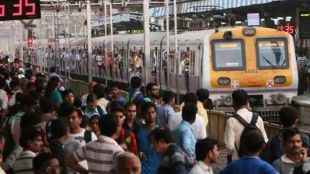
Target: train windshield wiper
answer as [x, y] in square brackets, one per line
[268, 61]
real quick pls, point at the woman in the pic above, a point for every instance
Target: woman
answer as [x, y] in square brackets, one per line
[51, 92]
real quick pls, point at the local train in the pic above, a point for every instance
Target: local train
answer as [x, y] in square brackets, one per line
[260, 60]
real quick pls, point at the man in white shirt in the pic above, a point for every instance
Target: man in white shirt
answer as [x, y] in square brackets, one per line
[234, 128]
[77, 134]
[101, 153]
[199, 128]
[206, 154]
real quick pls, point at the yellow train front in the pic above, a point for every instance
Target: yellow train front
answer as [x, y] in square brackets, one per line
[260, 60]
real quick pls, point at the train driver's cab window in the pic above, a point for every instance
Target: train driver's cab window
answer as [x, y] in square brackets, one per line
[228, 55]
[272, 53]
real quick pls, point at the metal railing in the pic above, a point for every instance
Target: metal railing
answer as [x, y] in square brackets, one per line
[217, 122]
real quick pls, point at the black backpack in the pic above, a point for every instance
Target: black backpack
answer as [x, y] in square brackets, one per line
[87, 136]
[248, 127]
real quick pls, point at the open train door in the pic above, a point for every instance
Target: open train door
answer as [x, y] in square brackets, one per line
[188, 79]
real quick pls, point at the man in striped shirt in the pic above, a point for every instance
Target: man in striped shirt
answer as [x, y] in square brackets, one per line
[100, 153]
[31, 141]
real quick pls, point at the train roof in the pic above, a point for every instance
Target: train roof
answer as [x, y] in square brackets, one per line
[192, 37]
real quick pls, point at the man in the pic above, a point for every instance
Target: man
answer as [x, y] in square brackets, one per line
[126, 139]
[92, 108]
[199, 127]
[203, 95]
[250, 162]
[13, 130]
[32, 143]
[206, 154]
[99, 91]
[173, 158]
[289, 118]
[46, 163]
[166, 110]
[127, 163]
[115, 95]
[135, 95]
[295, 159]
[183, 133]
[131, 123]
[150, 159]
[152, 90]
[234, 128]
[99, 154]
[57, 133]
[15, 88]
[90, 91]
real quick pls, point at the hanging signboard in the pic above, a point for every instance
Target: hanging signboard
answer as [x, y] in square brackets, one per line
[253, 19]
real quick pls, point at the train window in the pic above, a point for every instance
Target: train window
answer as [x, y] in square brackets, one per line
[228, 55]
[272, 53]
[185, 62]
[135, 60]
[120, 63]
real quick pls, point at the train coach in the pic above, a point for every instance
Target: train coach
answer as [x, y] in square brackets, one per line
[260, 60]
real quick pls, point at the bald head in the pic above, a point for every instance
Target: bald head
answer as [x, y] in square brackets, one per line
[127, 163]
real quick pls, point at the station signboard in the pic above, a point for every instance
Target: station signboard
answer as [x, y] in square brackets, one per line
[304, 25]
[253, 19]
[19, 9]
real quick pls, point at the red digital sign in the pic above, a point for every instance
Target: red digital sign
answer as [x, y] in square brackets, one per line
[19, 9]
[287, 28]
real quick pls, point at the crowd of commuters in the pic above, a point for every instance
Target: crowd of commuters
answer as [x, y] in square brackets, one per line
[48, 129]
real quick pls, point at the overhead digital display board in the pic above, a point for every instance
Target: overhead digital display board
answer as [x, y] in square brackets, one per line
[19, 9]
[304, 25]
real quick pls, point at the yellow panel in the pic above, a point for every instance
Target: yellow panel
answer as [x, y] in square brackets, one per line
[251, 76]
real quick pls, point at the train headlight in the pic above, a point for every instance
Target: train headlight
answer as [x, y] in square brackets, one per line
[279, 79]
[279, 99]
[223, 81]
[227, 101]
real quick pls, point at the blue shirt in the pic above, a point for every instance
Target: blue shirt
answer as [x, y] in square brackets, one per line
[136, 99]
[151, 159]
[246, 165]
[122, 100]
[184, 137]
[91, 112]
[164, 113]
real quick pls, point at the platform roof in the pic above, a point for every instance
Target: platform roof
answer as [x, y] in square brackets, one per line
[206, 5]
